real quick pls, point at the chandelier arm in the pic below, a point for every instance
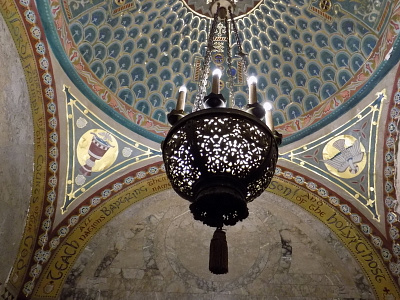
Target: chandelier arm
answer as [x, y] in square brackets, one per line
[206, 64]
[239, 43]
[228, 51]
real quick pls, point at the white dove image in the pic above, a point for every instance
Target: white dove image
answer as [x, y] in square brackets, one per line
[347, 157]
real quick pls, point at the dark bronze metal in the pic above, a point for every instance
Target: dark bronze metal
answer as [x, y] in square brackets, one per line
[220, 159]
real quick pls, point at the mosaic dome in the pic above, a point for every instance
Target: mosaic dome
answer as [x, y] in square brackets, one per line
[134, 56]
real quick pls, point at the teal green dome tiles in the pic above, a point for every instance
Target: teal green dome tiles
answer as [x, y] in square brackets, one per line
[136, 56]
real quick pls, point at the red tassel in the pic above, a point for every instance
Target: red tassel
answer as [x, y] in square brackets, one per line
[218, 263]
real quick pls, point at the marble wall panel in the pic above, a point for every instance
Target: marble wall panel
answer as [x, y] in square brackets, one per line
[156, 250]
[16, 151]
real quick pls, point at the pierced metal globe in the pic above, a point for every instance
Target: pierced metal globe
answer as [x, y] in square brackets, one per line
[220, 159]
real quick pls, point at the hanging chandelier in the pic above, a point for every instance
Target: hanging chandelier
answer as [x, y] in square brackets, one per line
[216, 157]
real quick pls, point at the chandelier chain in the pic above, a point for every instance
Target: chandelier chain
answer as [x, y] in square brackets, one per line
[239, 44]
[206, 65]
[229, 58]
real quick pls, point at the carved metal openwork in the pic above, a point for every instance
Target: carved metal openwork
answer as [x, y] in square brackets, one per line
[221, 158]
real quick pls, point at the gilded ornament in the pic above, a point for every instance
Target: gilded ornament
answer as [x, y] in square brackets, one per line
[103, 162]
[325, 5]
[344, 156]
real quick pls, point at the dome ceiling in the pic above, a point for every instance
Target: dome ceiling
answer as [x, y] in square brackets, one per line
[129, 60]
[136, 55]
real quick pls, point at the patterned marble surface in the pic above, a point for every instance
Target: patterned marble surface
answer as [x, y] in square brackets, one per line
[155, 249]
[16, 141]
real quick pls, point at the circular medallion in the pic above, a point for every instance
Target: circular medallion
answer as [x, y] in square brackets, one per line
[99, 144]
[218, 58]
[202, 8]
[325, 5]
[345, 156]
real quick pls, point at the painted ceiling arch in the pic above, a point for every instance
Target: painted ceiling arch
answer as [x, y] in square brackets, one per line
[369, 209]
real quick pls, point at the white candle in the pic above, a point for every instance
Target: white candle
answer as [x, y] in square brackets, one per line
[215, 81]
[268, 115]
[252, 82]
[180, 104]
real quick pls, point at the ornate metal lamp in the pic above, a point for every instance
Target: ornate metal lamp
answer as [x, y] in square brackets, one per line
[220, 158]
